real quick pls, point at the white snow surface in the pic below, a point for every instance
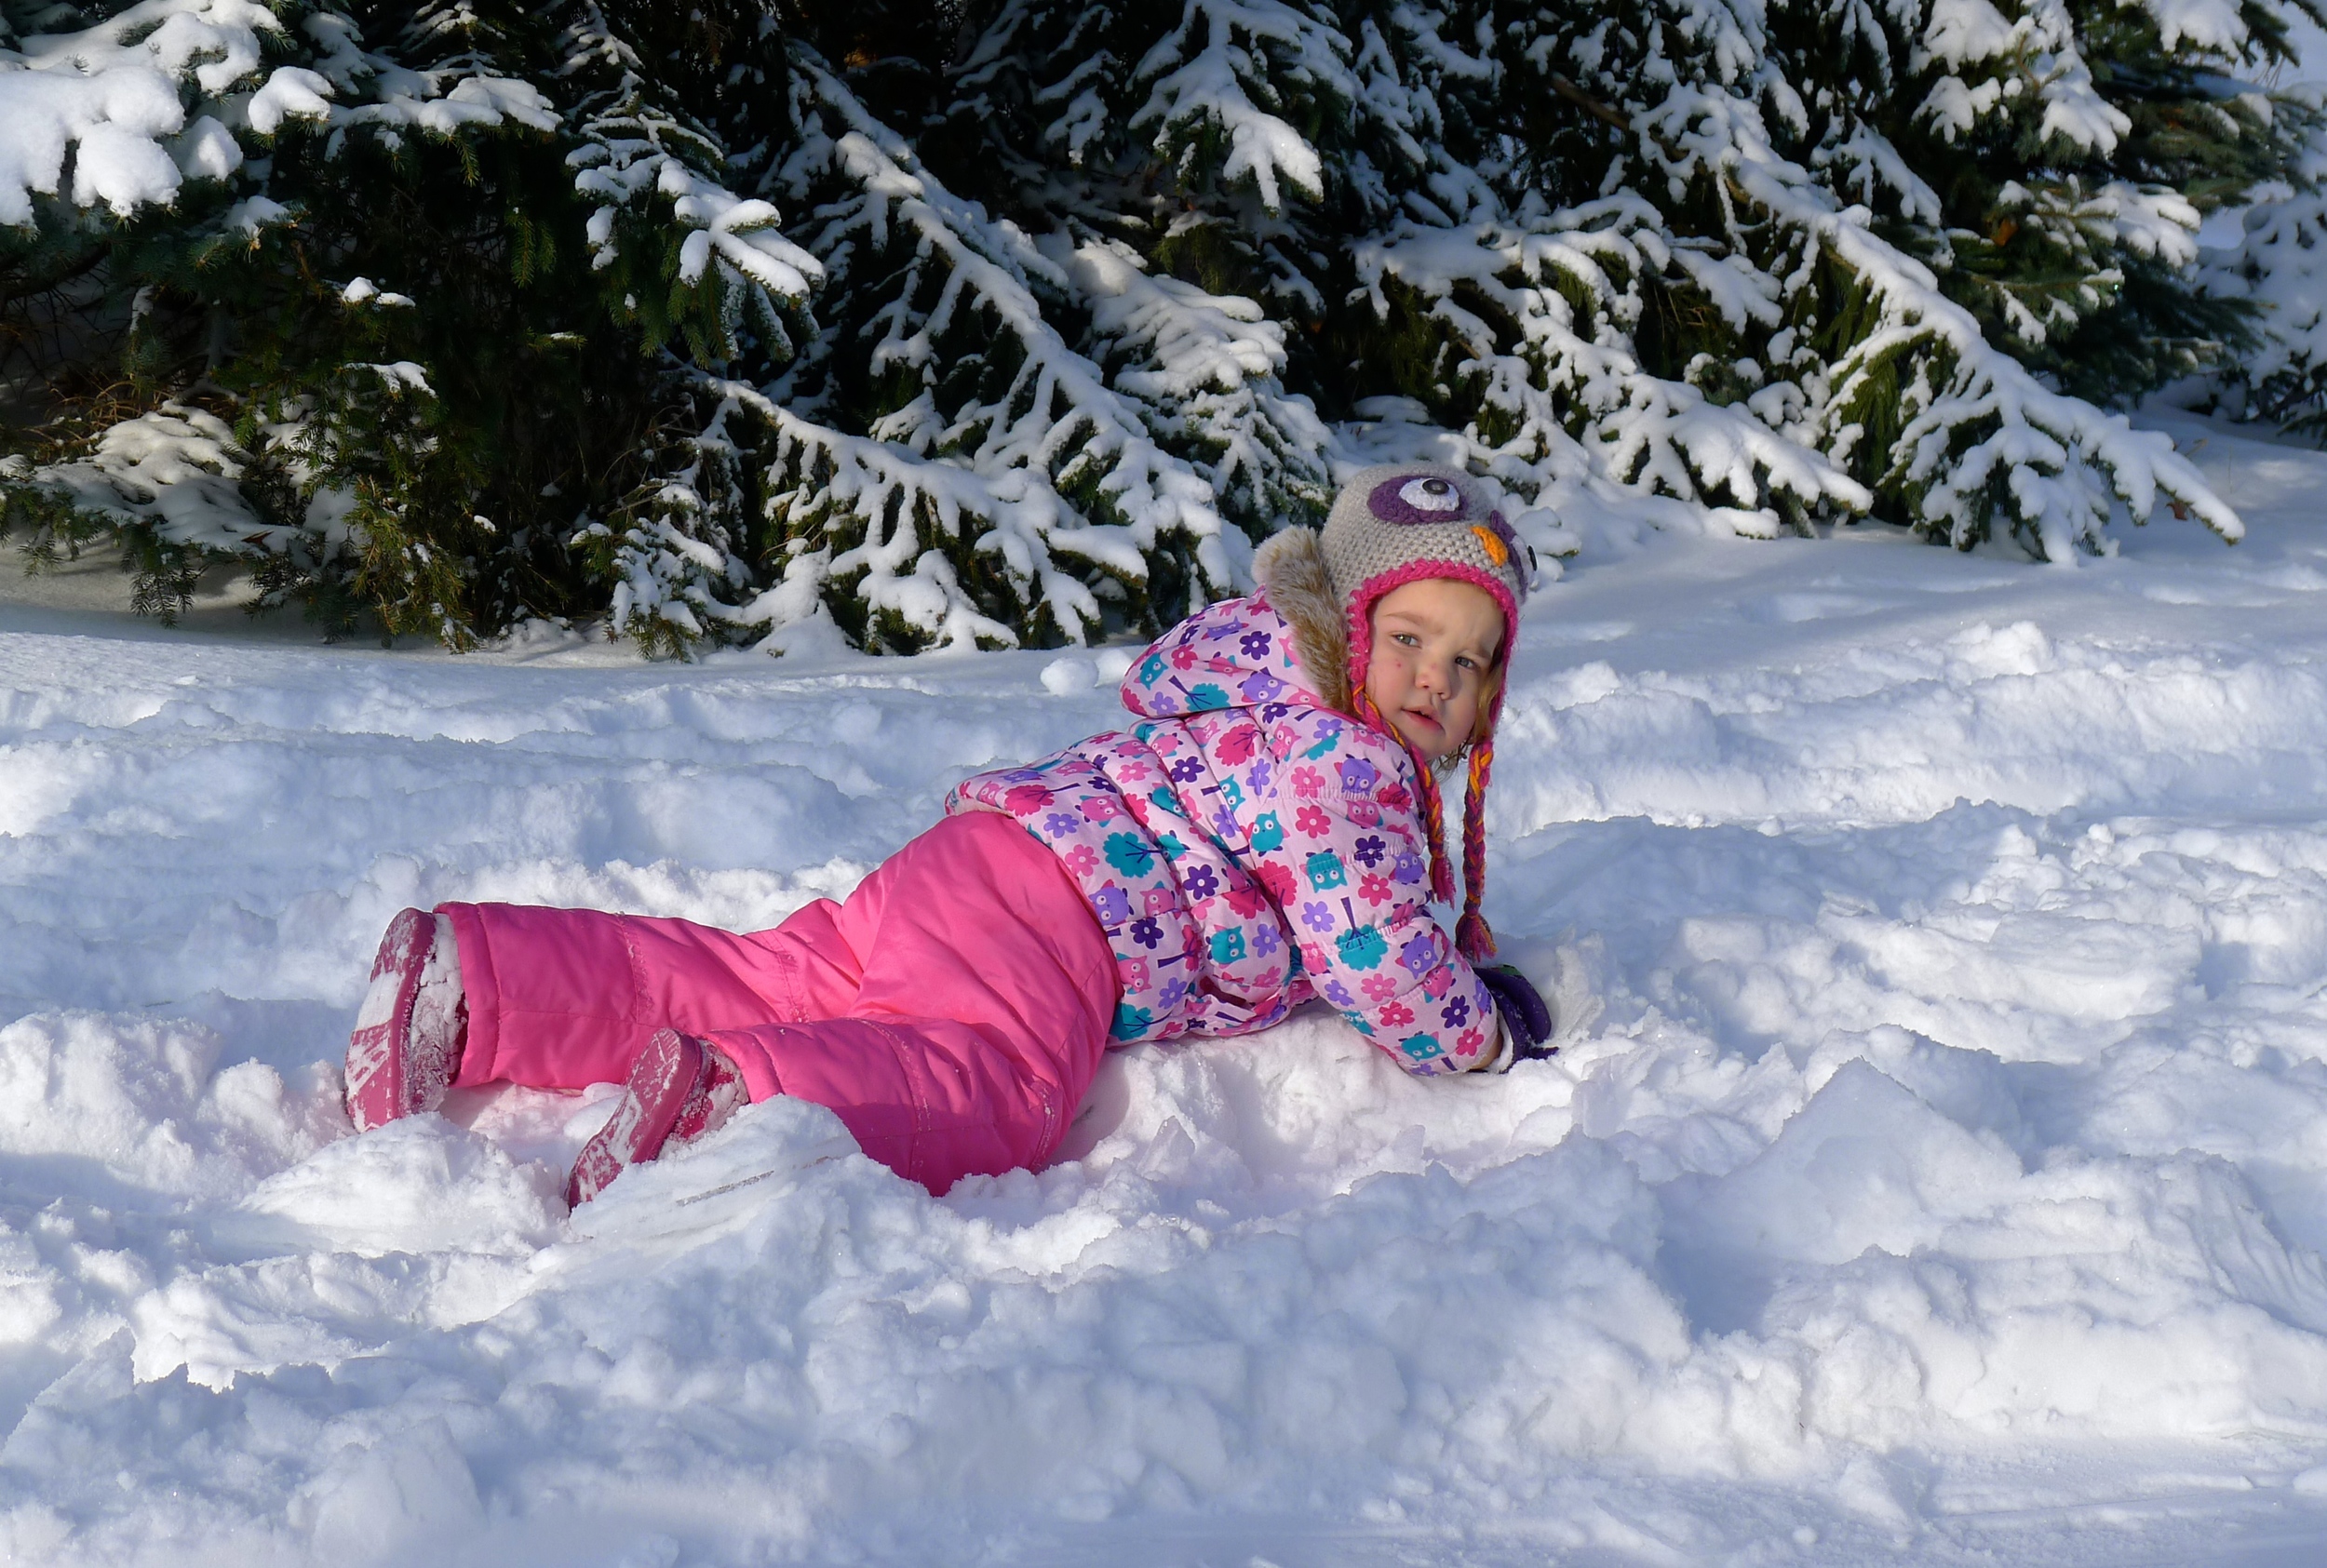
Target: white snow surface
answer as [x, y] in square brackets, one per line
[1935, 1171]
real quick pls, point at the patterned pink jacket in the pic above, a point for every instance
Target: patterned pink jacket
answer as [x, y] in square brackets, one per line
[1249, 846]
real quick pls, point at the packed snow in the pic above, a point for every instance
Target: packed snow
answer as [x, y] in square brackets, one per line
[1935, 1170]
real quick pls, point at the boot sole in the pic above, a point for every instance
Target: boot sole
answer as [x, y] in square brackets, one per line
[379, 1087]
[662, 1081]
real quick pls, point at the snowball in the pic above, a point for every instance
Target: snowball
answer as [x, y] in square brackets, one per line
[1065, 676]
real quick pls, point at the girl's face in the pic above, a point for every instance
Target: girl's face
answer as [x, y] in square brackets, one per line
[1435, 642]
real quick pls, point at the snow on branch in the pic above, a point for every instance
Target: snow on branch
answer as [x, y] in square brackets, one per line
[902, 513]
[1041, 459]
[1207, 368]
[1980, 436]
[2036, 54]
[1565, 378]
[109, 101]
[174, 469]
[655, 176]
[105, 98]
[2279, 266]
[1225, 71]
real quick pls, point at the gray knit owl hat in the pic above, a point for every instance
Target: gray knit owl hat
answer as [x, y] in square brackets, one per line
[1402, 523]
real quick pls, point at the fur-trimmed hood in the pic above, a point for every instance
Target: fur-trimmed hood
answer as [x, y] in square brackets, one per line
[1290, 568]
[1286, 644]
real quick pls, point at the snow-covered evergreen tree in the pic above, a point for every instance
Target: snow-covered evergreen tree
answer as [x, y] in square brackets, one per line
[1021, 320]
[2279, 267]
[398, 295]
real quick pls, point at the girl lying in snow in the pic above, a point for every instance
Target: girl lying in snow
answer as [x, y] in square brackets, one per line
[1269, 831]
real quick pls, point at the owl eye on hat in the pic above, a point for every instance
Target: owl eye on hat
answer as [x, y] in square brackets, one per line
[1404, 523]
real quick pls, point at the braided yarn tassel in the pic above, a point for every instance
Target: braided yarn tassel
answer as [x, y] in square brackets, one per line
[1473, 938]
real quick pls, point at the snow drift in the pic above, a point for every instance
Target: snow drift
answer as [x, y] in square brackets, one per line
[1934, 1169]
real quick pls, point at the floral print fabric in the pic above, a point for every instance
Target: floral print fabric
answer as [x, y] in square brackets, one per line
[1245, 848]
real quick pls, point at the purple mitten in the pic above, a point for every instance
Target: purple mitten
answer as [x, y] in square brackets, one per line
[1525, 1019]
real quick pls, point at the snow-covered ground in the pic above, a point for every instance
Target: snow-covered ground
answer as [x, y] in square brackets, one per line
[1940, 1178]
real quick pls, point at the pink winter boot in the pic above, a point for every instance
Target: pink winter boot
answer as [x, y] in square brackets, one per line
[408, 1039]
[680, 1089]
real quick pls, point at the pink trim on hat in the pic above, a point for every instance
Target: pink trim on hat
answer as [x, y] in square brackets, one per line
[1369, 593]
[1473, 938]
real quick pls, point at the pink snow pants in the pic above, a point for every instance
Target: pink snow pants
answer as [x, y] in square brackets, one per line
[952, 1012]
